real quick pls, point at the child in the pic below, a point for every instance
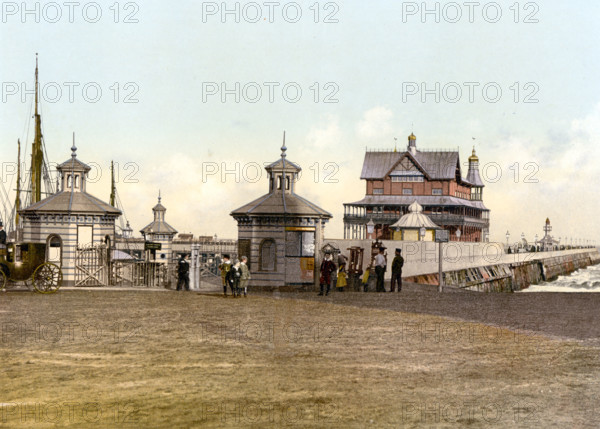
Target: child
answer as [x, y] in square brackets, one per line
[236, 275]
[365, 279]
[341, 277]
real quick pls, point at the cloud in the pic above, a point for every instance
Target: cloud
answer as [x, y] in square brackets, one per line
[588, 126]
[543, 179]
[376, 125]
[326, 136]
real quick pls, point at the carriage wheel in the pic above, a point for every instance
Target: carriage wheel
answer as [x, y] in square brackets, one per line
[47, 278]
[3, 280]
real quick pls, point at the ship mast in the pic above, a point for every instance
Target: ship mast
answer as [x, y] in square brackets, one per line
[112, 184]
[18, 197]
[37, 155]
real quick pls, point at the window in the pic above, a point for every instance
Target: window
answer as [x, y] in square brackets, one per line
[377, 191]
[408, 177]
[407, 191]
[77, 181]
[268, 255]
[279, 182]
[300, 244]
[436, 191]
[287, 183]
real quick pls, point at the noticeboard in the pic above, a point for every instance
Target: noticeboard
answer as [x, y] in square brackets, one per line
[442, 236]
[148, 245]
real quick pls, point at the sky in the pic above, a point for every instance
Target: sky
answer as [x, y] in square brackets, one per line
[192, 99]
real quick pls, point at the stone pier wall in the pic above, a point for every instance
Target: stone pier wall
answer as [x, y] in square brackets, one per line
[477, 266]
[511, 277]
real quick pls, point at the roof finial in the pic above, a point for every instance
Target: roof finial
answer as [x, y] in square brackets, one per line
[159, 196]
[74, 148]
[283, 148]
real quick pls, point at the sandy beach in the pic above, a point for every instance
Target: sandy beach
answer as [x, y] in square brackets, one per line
[94, 358]
[572, 316]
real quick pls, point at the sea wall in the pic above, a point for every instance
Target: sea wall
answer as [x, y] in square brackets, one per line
[477, 266]
[512, 277]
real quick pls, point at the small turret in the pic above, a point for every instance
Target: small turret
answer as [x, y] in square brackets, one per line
[283, 174]
[473, 177]
[73, 172]
[412, 144]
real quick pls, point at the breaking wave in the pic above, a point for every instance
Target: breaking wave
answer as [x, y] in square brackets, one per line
[582, 280]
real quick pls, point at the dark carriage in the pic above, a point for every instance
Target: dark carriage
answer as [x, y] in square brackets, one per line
[26, 262]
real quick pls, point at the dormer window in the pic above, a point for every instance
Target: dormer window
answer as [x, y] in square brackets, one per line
[77, 181]
[287, 183]
[279, 182]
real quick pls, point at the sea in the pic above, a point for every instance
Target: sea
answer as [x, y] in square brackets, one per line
[583, 280]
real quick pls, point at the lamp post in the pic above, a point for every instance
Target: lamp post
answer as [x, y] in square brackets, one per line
[507, 237]
[127, 231]
[536, 241]
[370, 228]
[522, 244]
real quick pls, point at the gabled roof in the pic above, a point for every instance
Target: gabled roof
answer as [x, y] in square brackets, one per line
[72, 202]
[73, 164]
[435, 165]
[273, 203]
[278, 166]
[158, 227]
[439, 165]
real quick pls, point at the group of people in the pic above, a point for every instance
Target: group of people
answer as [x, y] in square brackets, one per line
[379, 265]
[381, 268]
[235, 276]
[328, 267]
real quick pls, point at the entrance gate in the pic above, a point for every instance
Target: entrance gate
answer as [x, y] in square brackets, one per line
[92, 266]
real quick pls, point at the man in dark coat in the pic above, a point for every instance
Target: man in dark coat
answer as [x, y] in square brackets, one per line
[183, 271]
[2, 234]
[327, 267]
[397, 265]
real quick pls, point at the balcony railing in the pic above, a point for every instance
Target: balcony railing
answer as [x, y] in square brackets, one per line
[439, 219]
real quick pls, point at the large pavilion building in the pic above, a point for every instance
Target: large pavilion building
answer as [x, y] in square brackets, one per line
[395, 180]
